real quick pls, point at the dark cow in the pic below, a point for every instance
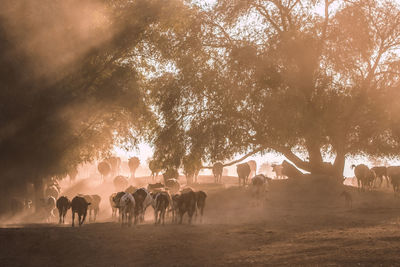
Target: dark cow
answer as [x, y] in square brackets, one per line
[258, 185]
[63, 205]
[143, 199]
[393, 173]
[243, 171]
[395, 180]
[186, 203]
[174, 207]
[133, 164]
[115, 164]
[364, 176]
[277, 168]
[217, 171]
[381, 173]
[200, 203]
[79, 205]
[191, 167]
[104, 169]
[155, 168]
[161, 203]
[114, 203]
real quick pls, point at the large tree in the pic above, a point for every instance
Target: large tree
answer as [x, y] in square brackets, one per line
[70, 84]
[280, 75]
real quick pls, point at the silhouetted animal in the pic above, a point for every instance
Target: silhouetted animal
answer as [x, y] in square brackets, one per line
[381, 172]
[155, 168]
[348, 200]
[127, 205]
[253, 167]
[217, 171]
[161, 203]
[191, 166]
[258, 184]
[63, 205]
[115, 165]
[393, 173]
[174, 207]
[364, 176]
[278, 170]
[104, 169]
[143, 199]
[120, 182]
[200, 203]
[243, 171]
[79, 205]
[114, 203]
[186, 203]
[133, 164]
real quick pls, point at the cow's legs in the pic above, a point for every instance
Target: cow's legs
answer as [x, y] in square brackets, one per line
[83, 217]
[73, 219]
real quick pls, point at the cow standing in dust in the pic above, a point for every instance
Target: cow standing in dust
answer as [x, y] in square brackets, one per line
[277, 168]
[393, 172]
[63, 205]
[79, 205]
[381, 173]
[133, 164]
[243, 171]
[364, 175]
[259, 186]
[186, 203]
[161, 202]
[217, 171]
[200, 203]
[127, 205]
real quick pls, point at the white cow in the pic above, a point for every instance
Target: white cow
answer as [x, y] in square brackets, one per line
[127, 208]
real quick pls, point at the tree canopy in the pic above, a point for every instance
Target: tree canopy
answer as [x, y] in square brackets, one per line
[308, 79]
[278, 75]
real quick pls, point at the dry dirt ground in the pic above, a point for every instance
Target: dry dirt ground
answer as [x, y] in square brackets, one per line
[298, 223]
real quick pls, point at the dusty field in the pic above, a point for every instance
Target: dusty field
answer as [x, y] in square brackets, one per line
[300, 223]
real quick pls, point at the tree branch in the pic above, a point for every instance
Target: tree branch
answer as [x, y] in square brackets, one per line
[238, 160]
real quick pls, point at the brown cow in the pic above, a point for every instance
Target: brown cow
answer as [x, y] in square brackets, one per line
[79, 205]
[243, 171]
[217, 171]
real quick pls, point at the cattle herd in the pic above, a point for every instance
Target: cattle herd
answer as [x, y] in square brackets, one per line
[368, 178]
[131, 204]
